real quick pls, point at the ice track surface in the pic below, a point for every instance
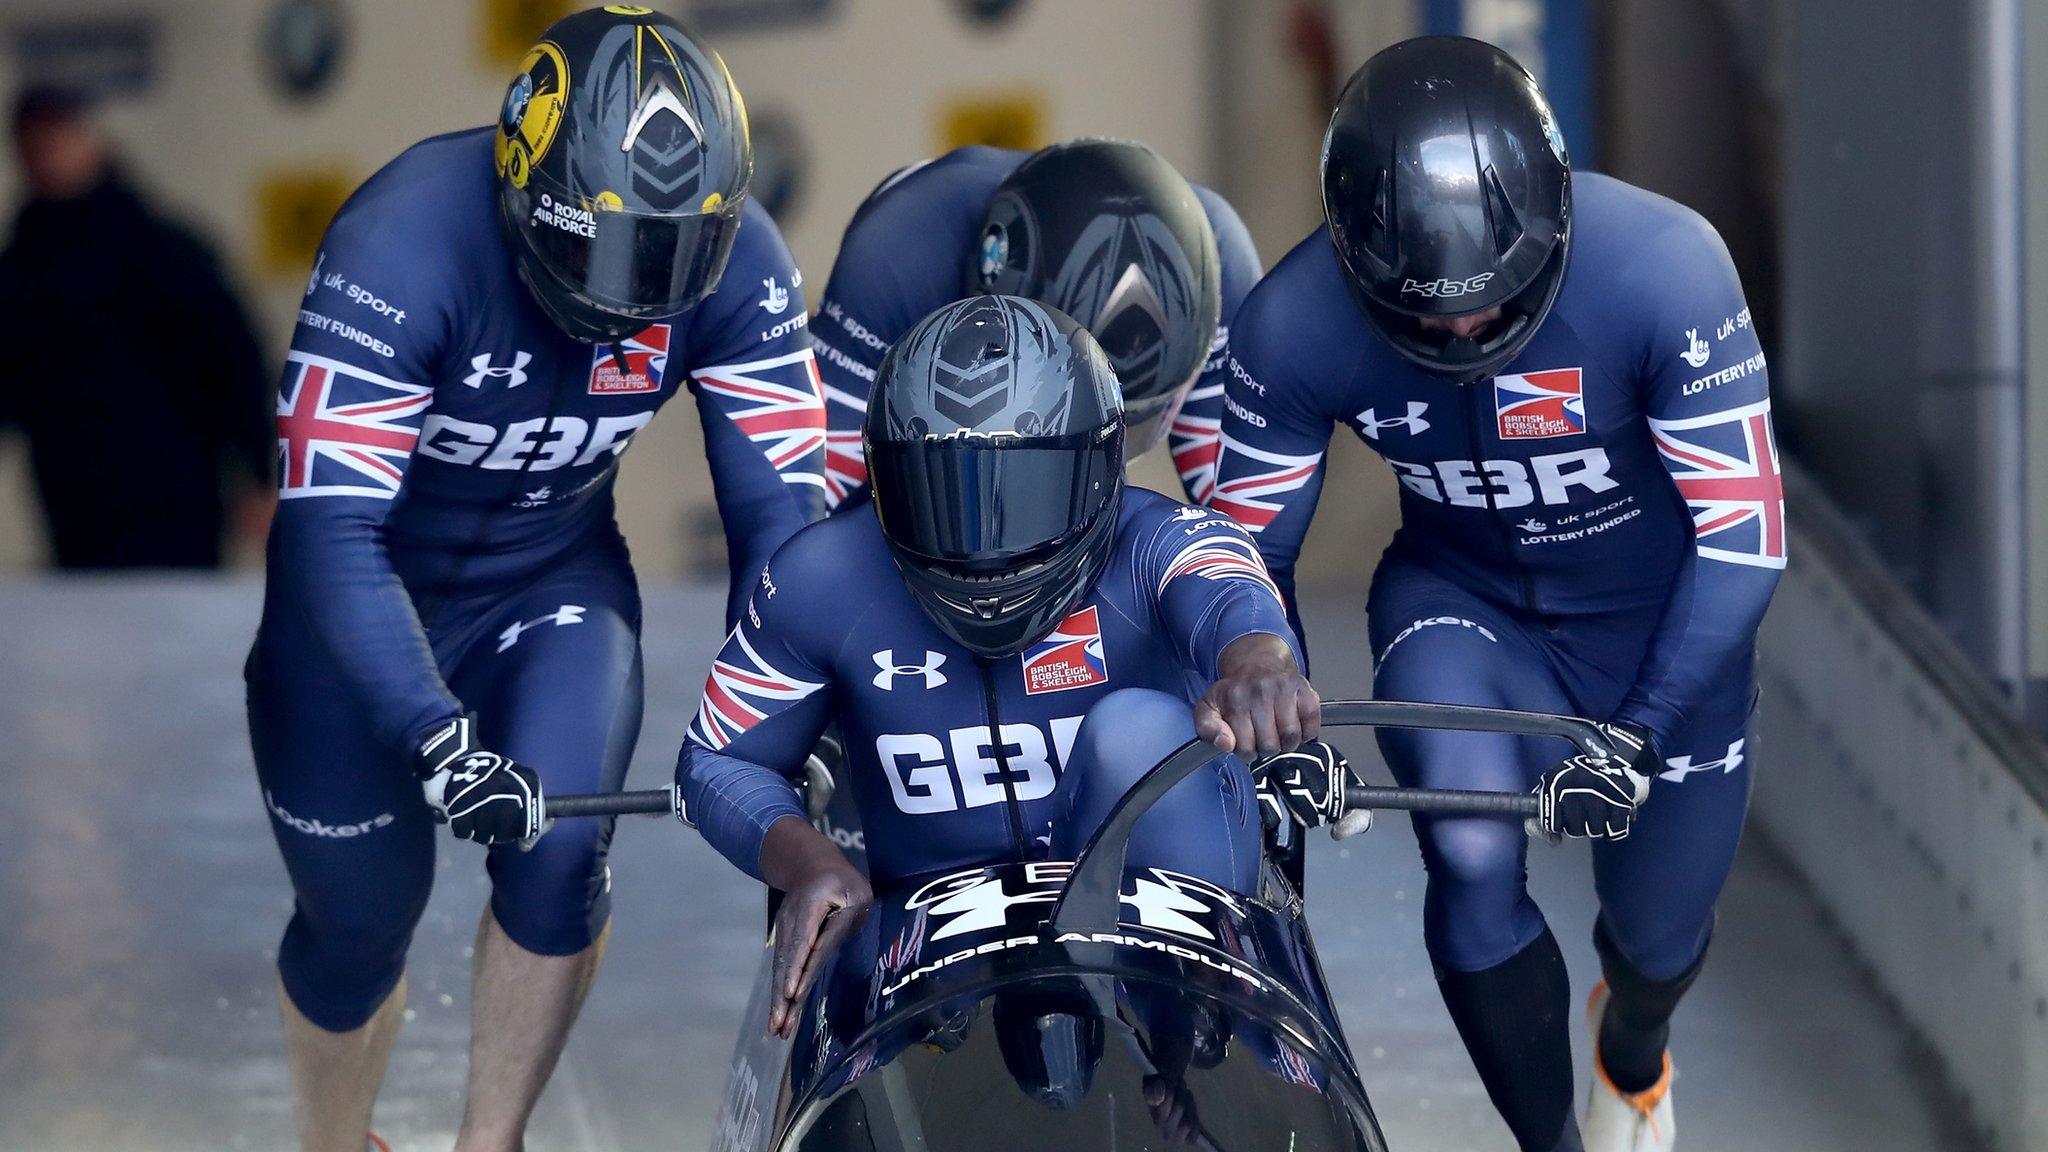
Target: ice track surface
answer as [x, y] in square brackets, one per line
[141, 900]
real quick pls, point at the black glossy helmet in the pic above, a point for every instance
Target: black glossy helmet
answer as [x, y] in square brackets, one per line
[1108, 233]
[995, 450]
[1448, 193]
[623, 161]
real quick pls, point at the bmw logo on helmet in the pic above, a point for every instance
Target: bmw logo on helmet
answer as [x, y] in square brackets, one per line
[516, 99]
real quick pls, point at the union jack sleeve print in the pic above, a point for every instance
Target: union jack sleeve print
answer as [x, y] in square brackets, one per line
[1253, 483]
[1196, 439]
[846, 467]
[343, 430]
[1219, 550]
[779, 404]
[1726, 467]
[1707, 402]
[743, 689]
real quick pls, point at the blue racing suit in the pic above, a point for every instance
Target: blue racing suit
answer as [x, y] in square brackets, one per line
[445, 542]
[833, 635]
[905, 255]
[1596, 530]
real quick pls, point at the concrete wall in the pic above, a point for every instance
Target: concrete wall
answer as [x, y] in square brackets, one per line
[1916, 805]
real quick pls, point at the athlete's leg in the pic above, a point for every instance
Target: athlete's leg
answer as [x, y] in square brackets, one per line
[1659, 886]
[358, 844]
[1206, 826]
[335, 1075]
[1500, 971]
[556, 682]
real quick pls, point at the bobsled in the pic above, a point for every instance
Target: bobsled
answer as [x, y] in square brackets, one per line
[1085, 1005]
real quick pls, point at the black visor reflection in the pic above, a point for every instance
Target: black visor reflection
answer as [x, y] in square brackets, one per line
[626, 263]
[967, 502]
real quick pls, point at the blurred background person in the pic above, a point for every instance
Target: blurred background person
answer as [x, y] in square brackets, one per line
[126, 360]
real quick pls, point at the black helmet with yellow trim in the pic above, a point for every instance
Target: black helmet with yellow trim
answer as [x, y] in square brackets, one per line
[623, 160]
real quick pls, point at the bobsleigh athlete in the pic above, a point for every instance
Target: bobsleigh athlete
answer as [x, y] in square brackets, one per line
[1105, 231]
[1563, 375]
[492, 318]
[1008, 637]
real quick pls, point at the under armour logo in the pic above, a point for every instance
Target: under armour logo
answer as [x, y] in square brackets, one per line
[659, 98]
[1697, 351]
[565, 615]
[1679, 767]
[778, 297]
[513, 376]
[1370, 424]
[890, 669]
[475, 766]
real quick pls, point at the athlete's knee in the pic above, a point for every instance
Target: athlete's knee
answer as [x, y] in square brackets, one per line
[1125, 733]
[1132, 723]
[1473, 853]
[1662, 942]
[554, 899]
[1477, 912]
[343, 954]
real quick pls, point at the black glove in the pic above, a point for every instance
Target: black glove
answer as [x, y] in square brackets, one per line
[1307, 787]
[480, 795]
[1596, 798]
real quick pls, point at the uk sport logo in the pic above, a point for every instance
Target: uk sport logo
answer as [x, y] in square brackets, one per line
[1071, 657]
[743, 690]
[779, 403]
[1250, 482]
[1224, 554]
[342, 431]
[1540, 405]
[1726, 467]
[646, 360]
[1197, 440]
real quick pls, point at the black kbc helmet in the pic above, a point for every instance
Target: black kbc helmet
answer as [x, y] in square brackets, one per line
[1110, 234]
[622, 160]
[995, 443]
[1448, 193]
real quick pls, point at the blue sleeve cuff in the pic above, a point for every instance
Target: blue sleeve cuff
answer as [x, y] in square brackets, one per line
[1251, 613]
[732, 803]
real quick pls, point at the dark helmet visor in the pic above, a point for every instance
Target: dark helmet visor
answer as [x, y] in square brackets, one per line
[625, 263]
[964, 502]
